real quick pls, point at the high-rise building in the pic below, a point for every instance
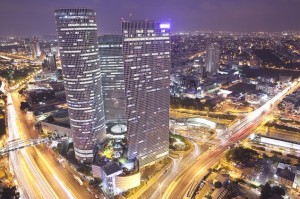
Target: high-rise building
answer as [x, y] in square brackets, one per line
[198, 66]
[49, 63]
[212, 59]
[147, 64]
[33, 52]
[52, 62]
[112, 72]
[36, 47]
[77, 37]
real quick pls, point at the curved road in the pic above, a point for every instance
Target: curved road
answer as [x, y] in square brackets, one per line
[235, 133]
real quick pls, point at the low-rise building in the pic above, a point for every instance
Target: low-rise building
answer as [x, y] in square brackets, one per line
[268, 87]
[58, 123]
[291, 103]
[108, 175]
[287, 175]
[219, 193]
[256, 97]
[115, 181]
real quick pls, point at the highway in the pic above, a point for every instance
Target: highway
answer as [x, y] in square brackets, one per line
[30, 175]
[178, 165]
[38, 173]
[238, 131]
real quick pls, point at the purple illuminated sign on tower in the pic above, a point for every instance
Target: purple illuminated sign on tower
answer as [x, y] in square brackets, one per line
[164, 25]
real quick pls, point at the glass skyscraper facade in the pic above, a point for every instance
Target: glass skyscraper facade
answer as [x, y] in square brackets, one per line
[112, 72]
[77, 36]
[147, 64]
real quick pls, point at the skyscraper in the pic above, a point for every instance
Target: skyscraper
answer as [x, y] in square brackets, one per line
[112, 72]
[212, 58]
[52, 62]
[198, 66]
[33, 52]
[147, 64]
[77, 36]
[36, 47]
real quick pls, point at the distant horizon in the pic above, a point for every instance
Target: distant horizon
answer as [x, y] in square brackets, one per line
[37, 17]
[172, 33]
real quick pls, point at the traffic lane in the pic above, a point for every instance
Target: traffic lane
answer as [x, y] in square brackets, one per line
[23, 176]
[183, 184]
[214, 156]
[177, 167]
[26, 130]
[48, 174]
[28, 180]
[197, 170]
[64, 174]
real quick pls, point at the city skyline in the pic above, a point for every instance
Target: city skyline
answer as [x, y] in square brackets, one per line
[233, 15]
[104, 102]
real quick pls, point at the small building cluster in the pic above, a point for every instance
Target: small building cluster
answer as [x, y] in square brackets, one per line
[288, 176]
[291, 103]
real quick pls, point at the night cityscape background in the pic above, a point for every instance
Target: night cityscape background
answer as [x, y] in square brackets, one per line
[149, 99]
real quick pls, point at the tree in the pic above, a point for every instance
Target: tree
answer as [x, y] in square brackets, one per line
[21, 92]
[278, 191]
[241, 155]
[10, 193]
[266, 191]
[24, 106]
[271, 192]
[218, 184]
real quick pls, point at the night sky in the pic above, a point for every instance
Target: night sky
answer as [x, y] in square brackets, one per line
[35, 17]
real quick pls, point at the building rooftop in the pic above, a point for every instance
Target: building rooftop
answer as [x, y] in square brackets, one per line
[286, 174]
[111, 168]
[286, 171]
[59, 118]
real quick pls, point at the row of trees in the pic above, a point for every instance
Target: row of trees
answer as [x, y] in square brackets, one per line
[241, 155]
[188, 103]
[16, 74]
[268, 191]
[10, 193]
[282, 127]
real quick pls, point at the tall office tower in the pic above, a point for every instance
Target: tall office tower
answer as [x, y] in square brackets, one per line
[212, 59]
[26, 42]
[112, 72]
[198, 66]
[36, 47]
[77, 37]
[33, 52]
[147, 64]
[52, 62]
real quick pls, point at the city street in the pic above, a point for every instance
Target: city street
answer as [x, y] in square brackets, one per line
[238, 131]
[177, 168]
[37, 167]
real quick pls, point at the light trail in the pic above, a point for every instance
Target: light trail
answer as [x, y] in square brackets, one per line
[233, 134]
[22, 177]
[65, 189]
